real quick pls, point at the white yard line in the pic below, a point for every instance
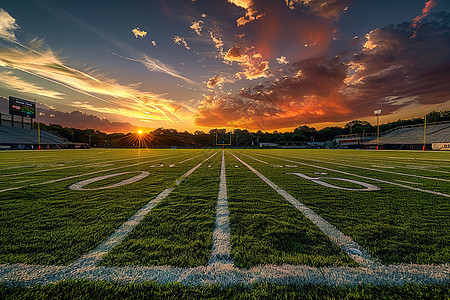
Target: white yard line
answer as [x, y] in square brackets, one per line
[221, 241]
[261, 161]
[92, 258]
[85, 174]
[72, 166]
[355, 251]
[189, 159]
[371, 169]
[359, 176]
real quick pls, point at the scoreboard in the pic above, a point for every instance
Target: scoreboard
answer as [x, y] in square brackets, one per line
[20, 107]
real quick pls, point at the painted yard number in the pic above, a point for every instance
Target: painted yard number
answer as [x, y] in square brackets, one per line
[79, 186]
[318, 180]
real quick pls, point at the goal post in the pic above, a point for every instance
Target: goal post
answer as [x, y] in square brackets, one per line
[223, 139]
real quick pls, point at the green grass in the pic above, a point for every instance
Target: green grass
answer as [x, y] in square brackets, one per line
[178, 232]
[395, 224]
[266, 229]
[50, 224]
[71, 289]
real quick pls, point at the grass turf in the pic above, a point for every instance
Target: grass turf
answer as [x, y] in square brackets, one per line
[395, 224]
[77, 289]
[178, 231]
[266, 229]
[50, 224]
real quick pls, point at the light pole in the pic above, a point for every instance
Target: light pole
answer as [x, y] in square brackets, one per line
[425, 133]
[377, 113]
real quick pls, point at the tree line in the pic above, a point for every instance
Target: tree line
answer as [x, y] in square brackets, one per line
[162, 137]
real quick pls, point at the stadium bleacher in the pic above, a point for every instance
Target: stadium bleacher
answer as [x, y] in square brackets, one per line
[412, 136]
[24, 138]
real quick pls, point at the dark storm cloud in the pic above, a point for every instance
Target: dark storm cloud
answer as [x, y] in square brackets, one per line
[389, 72]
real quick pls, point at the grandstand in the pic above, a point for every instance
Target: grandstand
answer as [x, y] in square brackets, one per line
[411, 137]
[17, 133]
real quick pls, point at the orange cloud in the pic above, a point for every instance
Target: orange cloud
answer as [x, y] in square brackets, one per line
[253, 67]
[139, 33]
[216, 80]
[425, 12]
[330, 9]
[251, 13]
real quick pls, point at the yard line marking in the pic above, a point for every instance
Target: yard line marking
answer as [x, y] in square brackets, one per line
[189, 159]
[79, 186]
[370, 169]
[68, 167]
[92, 258]
[395, 275]
[221, 241]
[264, 162]
[85, 174]
[364, 177]
[350, 247]
[404, 181]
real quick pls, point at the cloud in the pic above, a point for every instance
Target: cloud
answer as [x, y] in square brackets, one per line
[181, 41]
[216, 80]
[425, 12]
[46, 65]
[154, 43]
[282, 60]
[218, 43]
[139, 33]
[17, 84]
[197, 27]
[7, 26]
[389, 72]
[78, 119]
[251, 13]
[155, 65]
[251, 62]
[330, 9]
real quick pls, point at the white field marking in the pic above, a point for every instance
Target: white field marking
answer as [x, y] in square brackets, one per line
[404, 181]
[318, 180]
[364, 177]
[68, 167]
[385, 167]
[336, 236]
[171, 166]
[80, 175]
[370, 169]
[79, 185]
[221, 241]
[189, 159]
[320, 173]
[261, 161]
[193, 169]
[413, 158]
[277, 166]
[290, 166]
[92, 258]
[226, 275]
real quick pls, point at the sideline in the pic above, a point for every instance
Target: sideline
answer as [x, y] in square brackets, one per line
[350, 247]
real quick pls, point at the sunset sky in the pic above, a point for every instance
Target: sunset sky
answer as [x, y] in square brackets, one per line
[201, 64]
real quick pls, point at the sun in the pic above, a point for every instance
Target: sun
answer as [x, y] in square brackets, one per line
[140, 131]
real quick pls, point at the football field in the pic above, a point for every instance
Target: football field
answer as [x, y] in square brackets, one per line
[238, 216]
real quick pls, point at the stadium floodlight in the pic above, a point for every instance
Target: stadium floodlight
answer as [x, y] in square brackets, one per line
[377, 113]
